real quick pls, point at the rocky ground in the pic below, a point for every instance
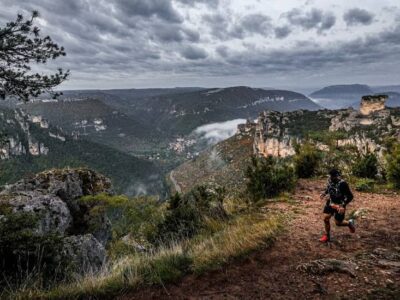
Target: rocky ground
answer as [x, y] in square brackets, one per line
[364, 265]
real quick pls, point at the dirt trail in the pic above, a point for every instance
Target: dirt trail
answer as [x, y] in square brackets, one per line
[274, 274]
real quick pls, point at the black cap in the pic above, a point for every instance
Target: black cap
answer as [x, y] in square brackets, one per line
[334, 173]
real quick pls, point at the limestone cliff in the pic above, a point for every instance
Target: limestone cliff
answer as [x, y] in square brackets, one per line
[370, 104]
[366, 130]
[21, 138]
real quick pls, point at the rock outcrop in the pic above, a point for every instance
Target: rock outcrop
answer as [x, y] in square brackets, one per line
[370, 104]
[21, 138]
[366, 130]
[53, 198]
[85, 252]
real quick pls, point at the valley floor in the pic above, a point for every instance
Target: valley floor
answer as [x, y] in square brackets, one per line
[274, 273]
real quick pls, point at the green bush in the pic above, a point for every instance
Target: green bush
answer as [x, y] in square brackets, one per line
[337, 159]
[268, 177]
[393, 166]
[186, 214]
[25, 254]
[364, 185]
[306, 160]
[366, 166]
[138, 216]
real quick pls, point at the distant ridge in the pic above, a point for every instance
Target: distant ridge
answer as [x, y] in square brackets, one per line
[335, 90]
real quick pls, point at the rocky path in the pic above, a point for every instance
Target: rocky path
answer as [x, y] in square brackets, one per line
[284, 270]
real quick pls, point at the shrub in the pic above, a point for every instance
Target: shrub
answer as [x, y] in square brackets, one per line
[268, 177]
[138, 217]
[186, 214]
[25, 254]
[307, 160]
[364, 185]
[366, 166]
[393, 166]
[337, 159]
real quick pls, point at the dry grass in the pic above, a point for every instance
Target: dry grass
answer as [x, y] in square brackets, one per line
[242, 236]
[220, 243]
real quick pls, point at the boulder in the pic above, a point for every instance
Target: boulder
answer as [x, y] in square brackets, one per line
[54, 215]
[85, 253]
[68, 184]
[53, 198]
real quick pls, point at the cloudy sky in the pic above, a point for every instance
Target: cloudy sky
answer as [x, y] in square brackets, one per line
[260, 43]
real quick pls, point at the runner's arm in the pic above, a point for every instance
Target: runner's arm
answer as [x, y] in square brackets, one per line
[325, 192]
[348, 195]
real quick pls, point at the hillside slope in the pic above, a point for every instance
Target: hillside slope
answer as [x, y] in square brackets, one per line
[224, 164]
[34, 147]
[277, 272]
[349, 89]
[94, 120]
[344, 96]
[180, 114]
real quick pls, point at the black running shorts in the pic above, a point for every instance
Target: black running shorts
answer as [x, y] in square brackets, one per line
[333, 212]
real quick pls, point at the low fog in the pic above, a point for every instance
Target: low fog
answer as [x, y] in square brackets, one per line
[216, 132]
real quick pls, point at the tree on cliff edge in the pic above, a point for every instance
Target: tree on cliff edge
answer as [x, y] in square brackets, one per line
[21, 46]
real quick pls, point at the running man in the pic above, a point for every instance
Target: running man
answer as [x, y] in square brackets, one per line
[339, 196]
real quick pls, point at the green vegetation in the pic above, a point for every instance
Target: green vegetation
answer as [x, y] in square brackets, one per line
[217, 231]
[393, 166]
[304, 122]
[307, 160]
[366, 166]
[186, 215]
[27, 255]
[22, 47]
[268, 177]
[365, 185]
[124, 170]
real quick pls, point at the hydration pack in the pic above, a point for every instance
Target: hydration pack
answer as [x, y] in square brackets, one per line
[334, 191]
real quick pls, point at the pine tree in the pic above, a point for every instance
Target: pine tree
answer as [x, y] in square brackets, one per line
[21, 46]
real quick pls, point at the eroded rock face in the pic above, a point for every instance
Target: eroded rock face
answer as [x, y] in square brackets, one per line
[277, 133]
[370, 104]
[68, 184]
[53, 198]
[85, 253]
[54, 215]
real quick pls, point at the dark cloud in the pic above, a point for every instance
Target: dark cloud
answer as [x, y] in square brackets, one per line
[169, 33]
[310, 56]
[358, 16]
[313, 19]
[222, 51]
[218, 25]
[212, 3]
[108, 40]
[191, 35]
[257, 23]
[194, 53]
[282, 32]
[161, 8]
[225, 27]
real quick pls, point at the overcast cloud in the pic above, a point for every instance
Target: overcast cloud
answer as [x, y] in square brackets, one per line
[166, 43]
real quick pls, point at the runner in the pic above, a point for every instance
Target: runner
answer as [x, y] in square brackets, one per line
[340, 196]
